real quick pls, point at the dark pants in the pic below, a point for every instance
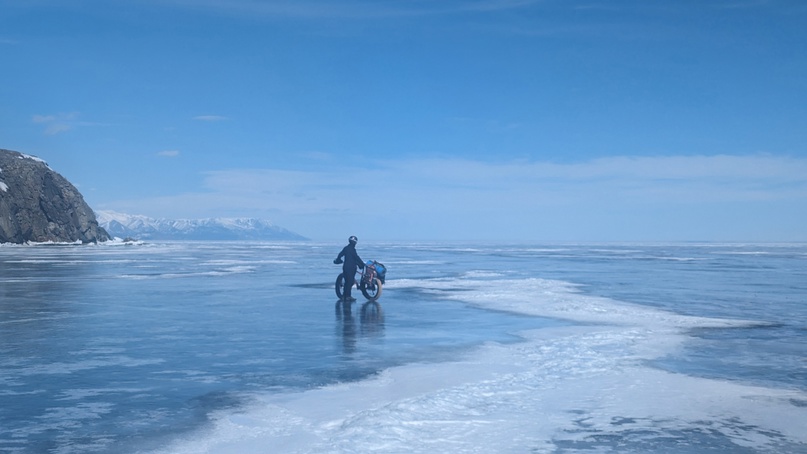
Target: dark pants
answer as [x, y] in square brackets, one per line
[350, 279]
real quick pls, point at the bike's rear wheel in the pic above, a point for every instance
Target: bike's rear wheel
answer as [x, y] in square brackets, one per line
[372, 291]
[340, 285]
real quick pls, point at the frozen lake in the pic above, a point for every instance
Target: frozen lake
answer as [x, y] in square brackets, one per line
[238, 347]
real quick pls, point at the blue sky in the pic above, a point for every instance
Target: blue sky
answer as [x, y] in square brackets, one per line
[512, 120]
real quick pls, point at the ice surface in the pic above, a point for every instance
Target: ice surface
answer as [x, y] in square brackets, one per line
[586, 387]
[108, 348]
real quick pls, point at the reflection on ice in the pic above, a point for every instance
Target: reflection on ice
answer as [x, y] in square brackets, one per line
[371, 323]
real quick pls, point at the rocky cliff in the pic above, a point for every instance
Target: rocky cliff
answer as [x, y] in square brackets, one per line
[39, 205]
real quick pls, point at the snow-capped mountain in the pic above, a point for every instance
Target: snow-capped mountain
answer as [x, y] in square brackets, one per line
[145, 228]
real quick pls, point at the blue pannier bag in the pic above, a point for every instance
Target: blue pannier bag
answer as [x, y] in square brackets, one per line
[380, 269]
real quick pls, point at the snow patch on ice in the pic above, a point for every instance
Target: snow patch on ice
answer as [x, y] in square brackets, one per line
[557, 299]
[565, 385]
[579, 386]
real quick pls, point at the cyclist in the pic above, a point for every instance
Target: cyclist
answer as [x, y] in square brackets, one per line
[350, 261]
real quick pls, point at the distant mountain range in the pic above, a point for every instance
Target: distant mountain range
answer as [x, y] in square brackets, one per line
[145, 228]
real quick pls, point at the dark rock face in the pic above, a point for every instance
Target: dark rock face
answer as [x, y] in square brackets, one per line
[39, 205]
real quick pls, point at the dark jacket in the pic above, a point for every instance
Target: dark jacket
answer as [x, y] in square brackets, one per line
[349, 259]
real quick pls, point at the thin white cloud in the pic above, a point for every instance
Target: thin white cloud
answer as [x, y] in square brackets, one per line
[209, 118]
[57, 128]
[317, 156]
[56, 124]
[462, 192]
[320, 9]
[168, 153]
[43, 118]
[495, 5]
[743, 4]
[640, 168]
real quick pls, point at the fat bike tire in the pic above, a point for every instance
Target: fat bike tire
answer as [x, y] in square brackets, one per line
[340, 285]
[372, 292]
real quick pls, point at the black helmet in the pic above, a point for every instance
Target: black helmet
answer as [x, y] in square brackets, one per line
[353, 239]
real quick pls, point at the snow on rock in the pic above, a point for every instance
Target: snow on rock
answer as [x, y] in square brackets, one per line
[34, 158]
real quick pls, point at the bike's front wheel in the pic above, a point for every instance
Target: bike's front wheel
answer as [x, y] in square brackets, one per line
[340, 285]
[372, 291]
